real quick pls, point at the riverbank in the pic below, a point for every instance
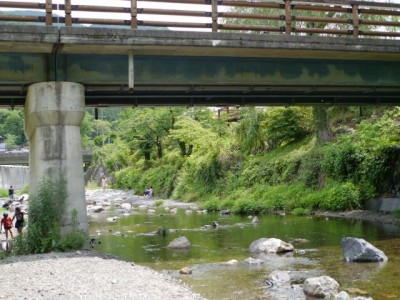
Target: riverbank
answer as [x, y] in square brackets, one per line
[91, 275]
[85, 275]
[363, 215]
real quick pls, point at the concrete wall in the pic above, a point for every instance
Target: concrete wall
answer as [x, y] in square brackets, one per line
[384, 204]
[17, 176]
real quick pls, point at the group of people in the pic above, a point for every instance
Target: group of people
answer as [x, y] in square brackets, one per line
[7, 222]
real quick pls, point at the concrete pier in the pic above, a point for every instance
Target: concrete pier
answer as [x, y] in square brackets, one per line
[53, 114]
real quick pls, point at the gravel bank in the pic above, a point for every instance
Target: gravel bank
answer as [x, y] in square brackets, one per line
[90, 275]
[364, 215]
[85, 275]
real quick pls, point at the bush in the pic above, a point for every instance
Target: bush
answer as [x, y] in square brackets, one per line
[212, 204]
[159, 202]
[299, 211]
[46, 209]
[341, 197]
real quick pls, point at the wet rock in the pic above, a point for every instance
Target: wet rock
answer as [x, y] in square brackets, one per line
[230, 262]
[278, 287]
[279, 277]
[270, 245]
[225, 212]
[111, 219]
[342, 296]
[359, 250]
[180, 243]
[185, 271]
[323, 287]
[300, 241]
[255, 220]
[162, 231]
[298, 277]
[125, 206]
[96, 209]
[253, 261]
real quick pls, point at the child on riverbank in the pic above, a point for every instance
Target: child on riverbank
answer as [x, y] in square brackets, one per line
[19, 216]
[7, 223]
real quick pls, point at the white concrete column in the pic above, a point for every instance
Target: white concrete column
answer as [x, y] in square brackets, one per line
[53, 114]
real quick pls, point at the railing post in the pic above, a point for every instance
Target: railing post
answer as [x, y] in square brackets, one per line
[288, 17]
[355, 20]
[134, 14]
[49, 12]
[214, 15]
[68, 10]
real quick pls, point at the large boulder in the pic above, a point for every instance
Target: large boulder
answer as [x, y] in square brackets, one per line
[323, 287]
[180, 243]
[271, 245]
[359, 250]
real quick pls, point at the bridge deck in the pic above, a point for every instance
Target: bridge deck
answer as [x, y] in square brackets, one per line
[154, 67]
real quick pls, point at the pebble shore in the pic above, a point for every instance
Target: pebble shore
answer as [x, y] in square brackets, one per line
[85, 275]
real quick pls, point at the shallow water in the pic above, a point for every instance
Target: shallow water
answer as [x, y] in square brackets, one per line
[132, 238]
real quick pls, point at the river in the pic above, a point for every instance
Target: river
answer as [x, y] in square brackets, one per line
[131, 237]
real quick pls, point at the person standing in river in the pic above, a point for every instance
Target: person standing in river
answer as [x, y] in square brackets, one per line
[11, 192]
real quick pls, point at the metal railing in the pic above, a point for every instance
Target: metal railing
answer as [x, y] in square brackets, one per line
[305, 17]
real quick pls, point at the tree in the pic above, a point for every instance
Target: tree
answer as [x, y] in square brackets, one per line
[146, 128]
[284, 125]
[249, 133]
[191, 133]
[12, 125]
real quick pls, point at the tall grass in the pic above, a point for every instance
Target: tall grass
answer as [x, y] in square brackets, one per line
[46, 209]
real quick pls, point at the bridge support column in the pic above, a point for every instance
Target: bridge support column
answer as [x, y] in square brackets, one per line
[53, 114]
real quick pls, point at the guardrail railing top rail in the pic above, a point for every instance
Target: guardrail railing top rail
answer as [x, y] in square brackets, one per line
[292, 17]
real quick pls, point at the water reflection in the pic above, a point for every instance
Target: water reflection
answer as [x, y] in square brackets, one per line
[134, 238]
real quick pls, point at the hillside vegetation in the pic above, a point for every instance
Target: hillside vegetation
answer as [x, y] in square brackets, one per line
[296, 159]
[271, 159]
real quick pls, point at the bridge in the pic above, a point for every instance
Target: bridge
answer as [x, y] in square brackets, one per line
[343, 53]
[291, 52]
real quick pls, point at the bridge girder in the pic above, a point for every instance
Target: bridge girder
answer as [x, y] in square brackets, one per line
[179, 68]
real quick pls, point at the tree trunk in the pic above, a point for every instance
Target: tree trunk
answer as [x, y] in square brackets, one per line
[190, 150]
[322, 130]
[182, 145]
[159, 149]
[146, 151]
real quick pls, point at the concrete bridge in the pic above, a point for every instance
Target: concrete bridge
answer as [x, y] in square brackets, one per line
[55, 71]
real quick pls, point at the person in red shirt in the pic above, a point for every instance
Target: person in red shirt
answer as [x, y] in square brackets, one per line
[7, 223]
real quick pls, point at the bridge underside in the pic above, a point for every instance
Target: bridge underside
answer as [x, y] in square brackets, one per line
[133, 68]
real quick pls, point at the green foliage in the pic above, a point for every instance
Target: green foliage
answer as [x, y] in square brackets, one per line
[24, 189]
[12, 127]
[45, 212]
[3, 193]
[286, 125]
[396, 213]
[212, 204]
[249, 132]
[158, 202]
[340, 161]
[128, 178]
[341, 196]
[299, 211]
